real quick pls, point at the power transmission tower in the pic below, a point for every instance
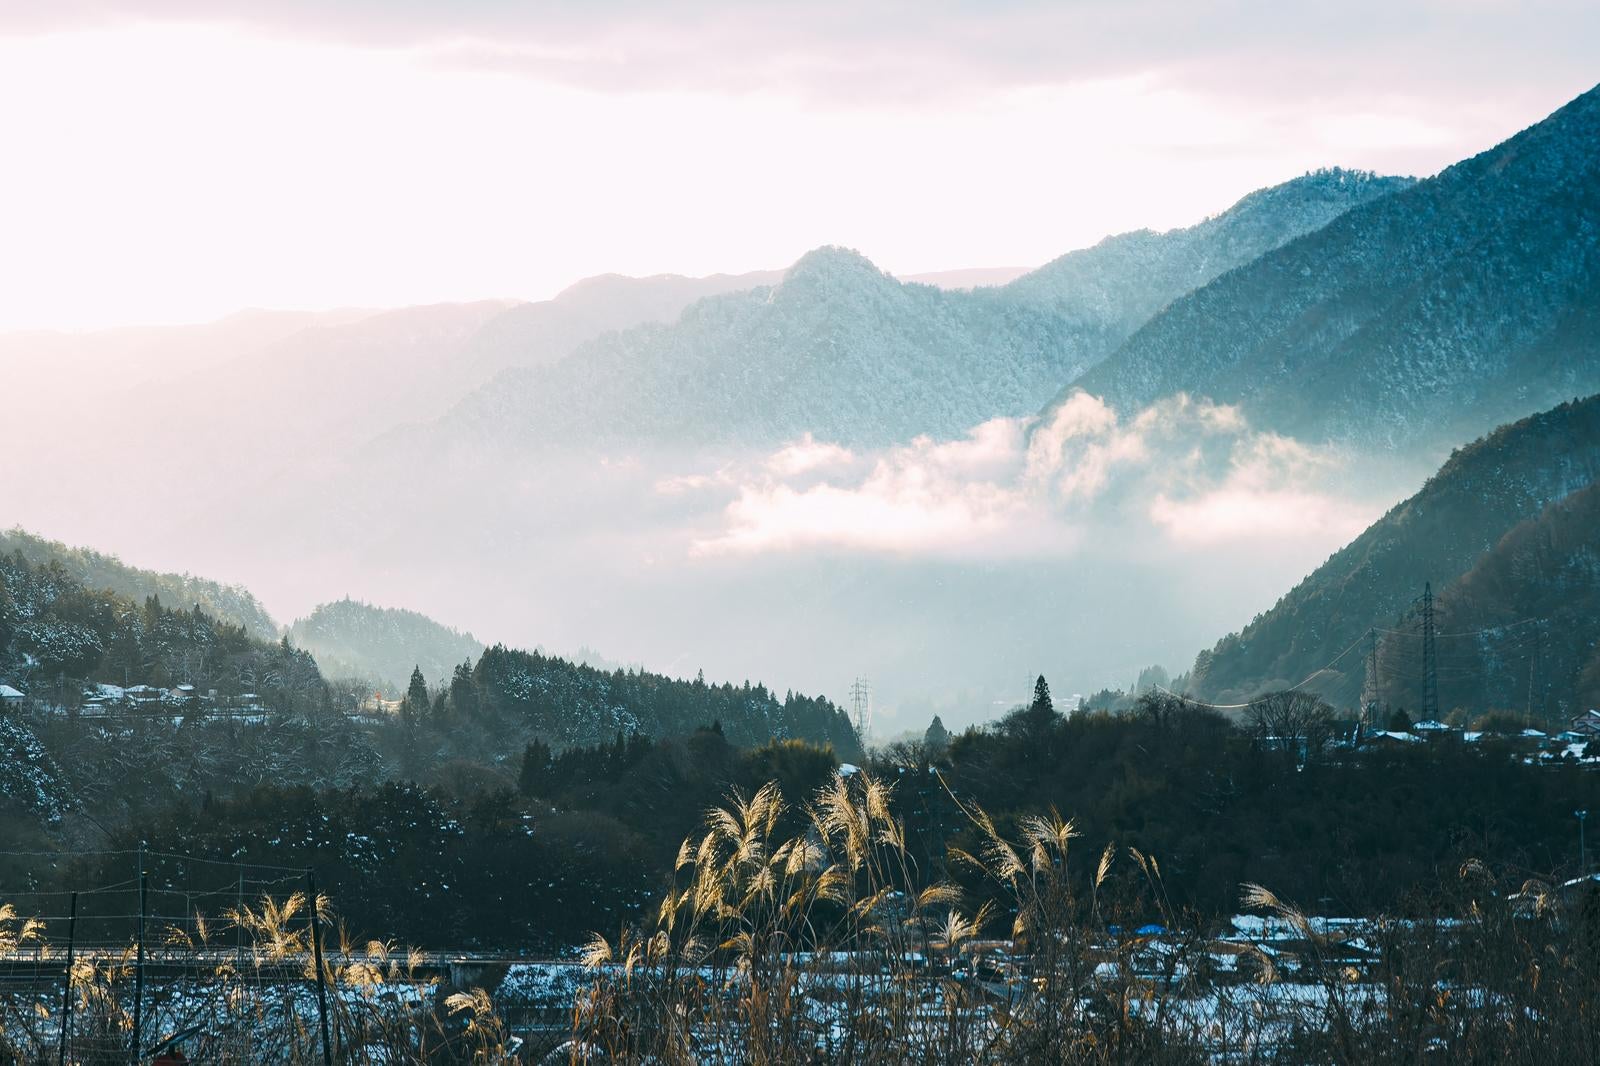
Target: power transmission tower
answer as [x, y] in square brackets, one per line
[861, 708]
[1430, 676]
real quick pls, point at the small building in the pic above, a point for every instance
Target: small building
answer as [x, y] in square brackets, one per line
[1587, 723]
[11, 697]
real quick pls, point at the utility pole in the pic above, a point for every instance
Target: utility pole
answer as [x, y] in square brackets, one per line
[66, 988]
[313, 921]
[138, 970]
[1533, 667]
[1430, 676]
[1583, 846]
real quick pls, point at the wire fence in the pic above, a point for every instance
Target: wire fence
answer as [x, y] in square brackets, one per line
[198, 960]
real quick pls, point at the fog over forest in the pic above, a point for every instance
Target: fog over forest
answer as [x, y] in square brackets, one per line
[949, 571]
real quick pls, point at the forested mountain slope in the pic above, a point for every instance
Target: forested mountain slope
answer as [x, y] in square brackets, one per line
[1425, 317]
[1528, 619]
[1464, 510]
[839, 349]
[1127, 278]
[354, 639]
[233, 604]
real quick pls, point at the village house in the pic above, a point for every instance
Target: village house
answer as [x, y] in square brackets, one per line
[1587, 723]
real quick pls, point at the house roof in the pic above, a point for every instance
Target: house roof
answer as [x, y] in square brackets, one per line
[9, 693]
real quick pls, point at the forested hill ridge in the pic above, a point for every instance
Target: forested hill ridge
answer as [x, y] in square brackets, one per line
[381, 644]
[570, 705]
[233, 604]
[1425, 317]
[58, 635]
[1437, 535]
[60, 639]
[842, 350]
[1531, 609]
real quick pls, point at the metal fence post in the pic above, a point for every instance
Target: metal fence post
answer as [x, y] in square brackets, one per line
[316, 955]
[66, 988]
[138, 971]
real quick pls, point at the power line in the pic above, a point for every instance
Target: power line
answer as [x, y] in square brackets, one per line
[1293, 688]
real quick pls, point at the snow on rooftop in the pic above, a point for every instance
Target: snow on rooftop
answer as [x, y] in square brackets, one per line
[846, 769]
[9, 693]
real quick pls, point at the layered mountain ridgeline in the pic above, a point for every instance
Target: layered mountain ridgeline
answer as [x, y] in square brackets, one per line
[58, 633]
[109, 362]
[568, 705]
[839, 349]
[232, 604]
[1437, 535]
[1127, 278]
[1425, 317]
[288, 393]
[1520, 631]
[535, 334]
[341, 384]
[381, 644]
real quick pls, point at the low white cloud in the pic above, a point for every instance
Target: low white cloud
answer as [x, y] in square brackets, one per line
[806, 455]
[1190, 472]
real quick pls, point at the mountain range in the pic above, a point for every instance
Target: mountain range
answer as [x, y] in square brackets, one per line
[1424, 318]
[839, 349]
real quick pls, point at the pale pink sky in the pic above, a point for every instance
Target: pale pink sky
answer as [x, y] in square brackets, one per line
[175, 169]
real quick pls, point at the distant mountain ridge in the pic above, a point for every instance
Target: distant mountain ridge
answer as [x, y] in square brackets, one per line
[1127, 278]
[842, 350]
[536, 334]
[1422, 318]
[353, 639]
[1484, 491]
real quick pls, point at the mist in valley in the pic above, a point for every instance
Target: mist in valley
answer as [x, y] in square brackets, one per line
[1076, 542]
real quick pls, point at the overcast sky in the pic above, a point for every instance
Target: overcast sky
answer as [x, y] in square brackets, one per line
[177, 161]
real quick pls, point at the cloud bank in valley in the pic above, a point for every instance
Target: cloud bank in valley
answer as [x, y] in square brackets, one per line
[1189, 472]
